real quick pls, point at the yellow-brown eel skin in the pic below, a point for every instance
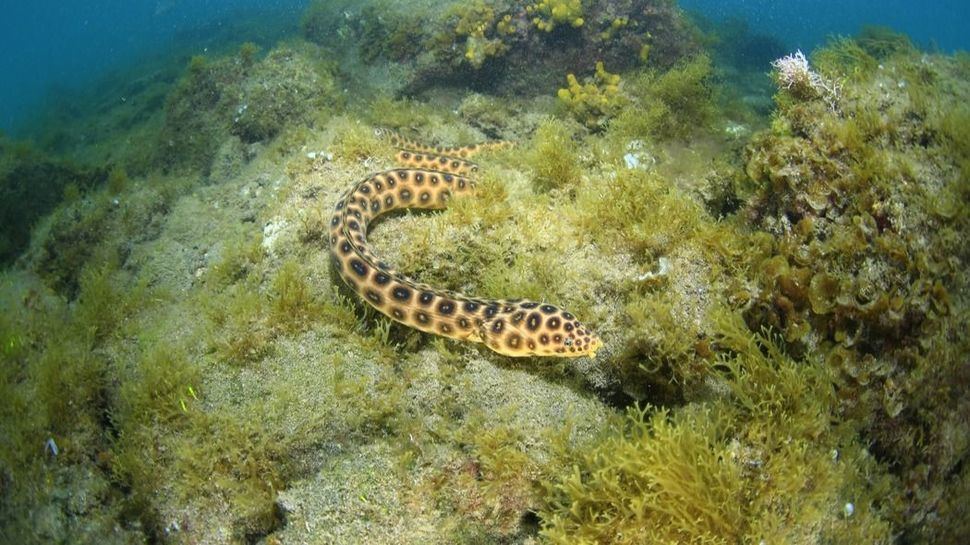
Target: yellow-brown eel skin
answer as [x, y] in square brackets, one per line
[430, 178]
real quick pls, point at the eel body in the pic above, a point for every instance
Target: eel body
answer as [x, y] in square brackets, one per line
[430, 178]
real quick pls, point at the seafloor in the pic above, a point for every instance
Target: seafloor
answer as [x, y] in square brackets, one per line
[775, 256]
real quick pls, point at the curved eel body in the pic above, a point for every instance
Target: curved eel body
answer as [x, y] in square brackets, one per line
[434, 175]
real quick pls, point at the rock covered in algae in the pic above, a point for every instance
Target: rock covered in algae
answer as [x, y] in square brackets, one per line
[491, 44]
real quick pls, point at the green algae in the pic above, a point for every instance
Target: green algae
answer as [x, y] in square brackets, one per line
[675, 103]
[719, 472]
[791, 325]
[554, 156]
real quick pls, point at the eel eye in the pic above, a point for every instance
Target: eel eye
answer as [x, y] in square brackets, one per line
[568, 342]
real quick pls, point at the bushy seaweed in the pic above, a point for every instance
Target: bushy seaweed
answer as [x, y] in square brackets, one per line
[717, 472]
[673, 104]
[554, 156]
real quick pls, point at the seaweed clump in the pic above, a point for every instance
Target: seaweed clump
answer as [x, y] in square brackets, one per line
[549, 13]
[596, 100]
[554, 156]
[718, 472]
[670, 104]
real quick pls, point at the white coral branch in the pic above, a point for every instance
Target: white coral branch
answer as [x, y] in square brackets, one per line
[794, 74]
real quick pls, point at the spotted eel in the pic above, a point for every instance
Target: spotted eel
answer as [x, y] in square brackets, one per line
[428, 179]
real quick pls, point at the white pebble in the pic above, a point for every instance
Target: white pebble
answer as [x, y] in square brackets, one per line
[631, 160]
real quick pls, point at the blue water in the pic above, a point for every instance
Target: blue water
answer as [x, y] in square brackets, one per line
[64, 44]
[56, 44]
[805, 24]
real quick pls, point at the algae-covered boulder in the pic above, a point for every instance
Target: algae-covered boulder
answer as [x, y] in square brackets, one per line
[238, 95]
[495, 44]
[286, 88]
[197, 112]
[31, 184]
[862, 201]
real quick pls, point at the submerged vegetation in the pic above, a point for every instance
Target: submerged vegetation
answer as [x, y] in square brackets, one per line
[783, 300]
